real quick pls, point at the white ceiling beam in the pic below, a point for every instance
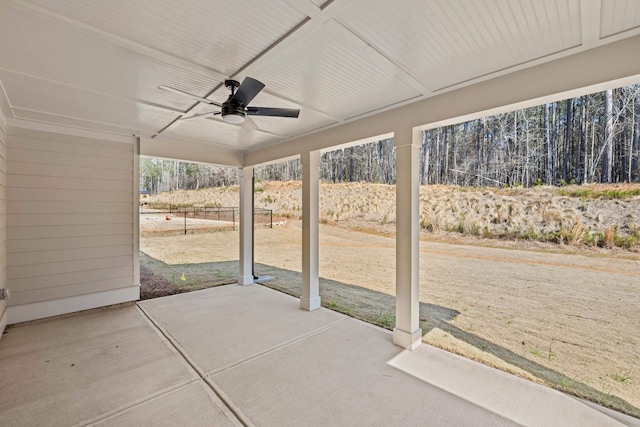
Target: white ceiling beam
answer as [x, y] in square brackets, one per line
[5, 107]
[131, 45]
[590, 13]
[289, 39]
[301, 105]
[272, 52]
[306, 7]
[96, 92]
[26, 114]
[368, 50]
[566, 77]
[67, 130]
[190, 151]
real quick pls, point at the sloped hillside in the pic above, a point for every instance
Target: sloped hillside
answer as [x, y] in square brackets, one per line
[596, 215]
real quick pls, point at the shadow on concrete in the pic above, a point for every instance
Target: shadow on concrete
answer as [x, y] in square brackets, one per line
[379, 308]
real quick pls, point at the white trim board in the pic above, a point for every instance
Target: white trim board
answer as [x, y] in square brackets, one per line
[40, 310]
[63, 130]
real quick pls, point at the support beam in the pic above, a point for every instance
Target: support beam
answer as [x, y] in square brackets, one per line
[407, 333]
[590, 16]
[526, 85]
[245, 178]
[310, 298]
[136, 213]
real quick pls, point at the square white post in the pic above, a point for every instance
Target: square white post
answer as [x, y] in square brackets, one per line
[310, 297]
[136, 214]
[245, 178]
[407, 332]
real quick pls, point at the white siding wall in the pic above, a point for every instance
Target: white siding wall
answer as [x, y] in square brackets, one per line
[3, 234]
[70, 223]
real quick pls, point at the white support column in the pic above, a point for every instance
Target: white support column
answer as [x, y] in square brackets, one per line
[407, 332]
[136, 213]
[310, 298]
[245, 176]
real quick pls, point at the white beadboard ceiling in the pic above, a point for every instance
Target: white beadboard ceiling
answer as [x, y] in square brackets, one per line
[96, 65]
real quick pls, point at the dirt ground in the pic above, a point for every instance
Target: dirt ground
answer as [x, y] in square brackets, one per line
[568, 320]
[166, 223]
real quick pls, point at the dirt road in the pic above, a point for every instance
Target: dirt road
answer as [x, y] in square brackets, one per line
[565, 319]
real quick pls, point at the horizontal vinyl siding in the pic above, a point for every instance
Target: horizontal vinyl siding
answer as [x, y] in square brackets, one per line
[94, 271]
[43, 219]
[53, 281]
[46, 232]
[47, 157]
[70, 212]
[34, 259]
[65, 291]
[28, 246]
[27, 206]
[85, 172]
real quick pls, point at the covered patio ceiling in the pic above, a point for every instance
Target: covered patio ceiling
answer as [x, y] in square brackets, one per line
[355, 69]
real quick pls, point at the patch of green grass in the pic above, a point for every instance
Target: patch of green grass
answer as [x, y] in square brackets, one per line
[622, 376]
[425, 327]
[626, 242]
[336, 306]
[590, 193]
[386, 319]
[567, 382]
[528, 234]
[603, 398]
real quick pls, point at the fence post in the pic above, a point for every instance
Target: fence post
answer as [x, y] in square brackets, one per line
[270, 218]
[185, 221]
[205, 212]
[233, 215]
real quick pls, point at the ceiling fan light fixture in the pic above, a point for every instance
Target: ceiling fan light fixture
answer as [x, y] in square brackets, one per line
[235, 109]
[234, 118]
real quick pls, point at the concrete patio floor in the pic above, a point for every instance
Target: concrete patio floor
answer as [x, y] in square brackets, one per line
[236, 355]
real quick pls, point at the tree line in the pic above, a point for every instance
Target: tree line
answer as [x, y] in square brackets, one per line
[158, 175]
[591, 138]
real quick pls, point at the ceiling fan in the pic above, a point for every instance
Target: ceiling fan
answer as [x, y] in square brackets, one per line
[235, 109]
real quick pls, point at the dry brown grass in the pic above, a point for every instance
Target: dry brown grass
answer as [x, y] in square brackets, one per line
[541, 213]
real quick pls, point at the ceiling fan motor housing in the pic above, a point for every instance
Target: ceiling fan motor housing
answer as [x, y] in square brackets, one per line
[232, 85]
[233, 112]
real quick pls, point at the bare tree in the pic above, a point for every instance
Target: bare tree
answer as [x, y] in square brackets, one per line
[607, 160]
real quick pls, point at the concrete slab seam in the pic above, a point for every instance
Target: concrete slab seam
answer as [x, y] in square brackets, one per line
[228, 401]
[135, 403]
[229, 408]
[276, 348]
[166, 337]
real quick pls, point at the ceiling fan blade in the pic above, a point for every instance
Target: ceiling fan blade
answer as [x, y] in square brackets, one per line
[195, 116]
[274, 112]
[249, 124]
[247, 91]
[189, 95]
